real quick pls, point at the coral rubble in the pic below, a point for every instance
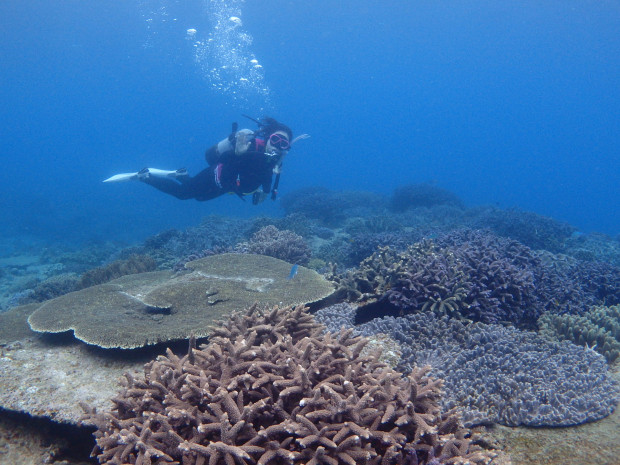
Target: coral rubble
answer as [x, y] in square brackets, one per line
[271, 389]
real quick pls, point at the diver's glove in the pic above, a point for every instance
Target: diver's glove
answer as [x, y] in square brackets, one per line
[258, 197]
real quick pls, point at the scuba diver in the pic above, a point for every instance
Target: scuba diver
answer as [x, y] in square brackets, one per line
[244, 163]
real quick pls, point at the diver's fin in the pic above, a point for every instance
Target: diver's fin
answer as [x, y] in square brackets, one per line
[165, 173]
[122, 177]
[145, 173]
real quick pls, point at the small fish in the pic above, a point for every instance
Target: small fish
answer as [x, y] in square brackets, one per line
[293, 272]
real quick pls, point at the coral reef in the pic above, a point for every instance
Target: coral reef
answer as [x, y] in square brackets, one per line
[435, 220]
[565, 285]
[65, 283]
[478, 276]
[422, 195]
[148, 308]
[350, 251]
[285, 245]
[597, 329]
[372, 225]
[332, 208]
[51, 288]
[213, 233]
[535, 231]
[593, 247]
[295, 222]
[271, 389]
[80, 258]
[495, 374]
[134, 264]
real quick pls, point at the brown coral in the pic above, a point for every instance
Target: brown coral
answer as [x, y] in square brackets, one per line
[132, 265]
[270, 389]
[283, 244]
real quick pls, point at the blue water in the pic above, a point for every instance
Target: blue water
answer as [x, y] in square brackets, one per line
[505, 103]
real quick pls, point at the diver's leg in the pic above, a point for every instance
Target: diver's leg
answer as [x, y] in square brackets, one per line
[169, 186]
[200, 187]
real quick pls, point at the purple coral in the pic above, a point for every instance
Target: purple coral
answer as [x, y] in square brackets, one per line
[472, 274]
[496, 374]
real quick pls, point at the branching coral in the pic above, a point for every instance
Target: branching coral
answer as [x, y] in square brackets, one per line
[598, 329]
[134, 264]
[285, 245]
[479, 276]
[270, 389]
[473, 279]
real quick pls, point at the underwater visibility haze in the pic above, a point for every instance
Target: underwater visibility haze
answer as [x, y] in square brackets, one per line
[456, 204]
[514, 105]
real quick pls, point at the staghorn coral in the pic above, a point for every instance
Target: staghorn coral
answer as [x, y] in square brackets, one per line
[477, 276]
[270, 389]
[598, 329]
[285, 245]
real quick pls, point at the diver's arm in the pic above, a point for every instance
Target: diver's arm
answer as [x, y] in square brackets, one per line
[261, 193]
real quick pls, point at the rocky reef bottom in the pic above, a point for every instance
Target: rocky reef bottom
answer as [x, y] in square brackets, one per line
[30, 441]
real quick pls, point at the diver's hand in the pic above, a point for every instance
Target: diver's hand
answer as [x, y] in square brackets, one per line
[258, 197]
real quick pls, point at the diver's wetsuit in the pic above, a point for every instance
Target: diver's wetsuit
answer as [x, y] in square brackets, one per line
[239, 174]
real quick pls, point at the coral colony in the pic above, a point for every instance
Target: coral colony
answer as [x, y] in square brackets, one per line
[273, 388]
[486, 316]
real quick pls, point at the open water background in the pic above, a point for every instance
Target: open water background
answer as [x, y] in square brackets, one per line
[506, 103]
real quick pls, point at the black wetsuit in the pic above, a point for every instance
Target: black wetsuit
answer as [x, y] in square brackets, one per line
[239, 174]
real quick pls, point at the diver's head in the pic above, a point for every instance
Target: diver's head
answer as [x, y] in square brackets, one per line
[269, 126]
[278, 141]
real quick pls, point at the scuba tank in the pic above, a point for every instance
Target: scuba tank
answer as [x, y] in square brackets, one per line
[237, 142]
